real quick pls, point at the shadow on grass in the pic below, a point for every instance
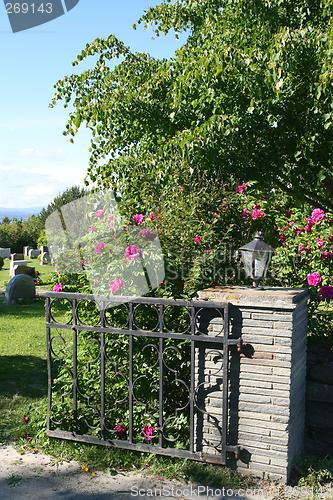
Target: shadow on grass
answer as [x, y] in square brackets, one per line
[23, 375]
[36, 309]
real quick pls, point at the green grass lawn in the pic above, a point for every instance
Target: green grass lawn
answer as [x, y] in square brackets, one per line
[44, 270]
[23, 376]
[23, 391]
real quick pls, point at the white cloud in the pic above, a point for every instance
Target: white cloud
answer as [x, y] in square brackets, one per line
[30, 186]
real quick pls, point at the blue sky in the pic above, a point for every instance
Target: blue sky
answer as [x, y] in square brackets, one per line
[36, 160]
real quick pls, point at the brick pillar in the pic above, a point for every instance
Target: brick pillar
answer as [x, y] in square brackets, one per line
[266, 381]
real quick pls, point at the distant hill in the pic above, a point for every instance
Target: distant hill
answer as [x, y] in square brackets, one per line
[19, 213]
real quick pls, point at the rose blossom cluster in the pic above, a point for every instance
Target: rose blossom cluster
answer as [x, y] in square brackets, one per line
[256, 213]
[148, 432]
[120, 429]
[139, 218]
[241, 188]
[116, 285]
[314, 248]
[58, 287]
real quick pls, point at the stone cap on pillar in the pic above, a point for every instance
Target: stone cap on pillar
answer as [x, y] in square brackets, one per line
[277, 297]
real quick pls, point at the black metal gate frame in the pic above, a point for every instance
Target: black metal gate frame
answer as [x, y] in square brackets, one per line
[224, 341]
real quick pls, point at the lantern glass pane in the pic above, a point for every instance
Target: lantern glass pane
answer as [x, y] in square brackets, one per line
[247, 258]
[260, 264]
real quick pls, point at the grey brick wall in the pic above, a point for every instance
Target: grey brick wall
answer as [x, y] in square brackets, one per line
[266, 390]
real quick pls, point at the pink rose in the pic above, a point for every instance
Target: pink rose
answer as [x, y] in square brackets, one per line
[300, 248]
[314, 279]
[298, 231]
[258, 213]
[308, 228]
[116, 285]
[317, 215]
[120, 429]
[99, 213]
[148, 432]
[92, 229]
[282, 238]
[58, 287]
[320, 243]
[138, 218]
[99, 247]
[326, 255]
[132, 252]
[197, 239]
[152, 216]
[241, 188]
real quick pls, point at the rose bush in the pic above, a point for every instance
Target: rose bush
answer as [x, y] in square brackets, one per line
[197, 248]
[303, 241]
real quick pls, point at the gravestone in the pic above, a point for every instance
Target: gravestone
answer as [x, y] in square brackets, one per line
[26, 251]
[45, 258]
[33, 253]
[17, 256]
[44, 248]
[14, 263]
[29, 271]
[5, 253]
[20, 289]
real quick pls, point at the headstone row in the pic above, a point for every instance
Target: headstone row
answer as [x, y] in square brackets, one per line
[33, 253]
[5, 253]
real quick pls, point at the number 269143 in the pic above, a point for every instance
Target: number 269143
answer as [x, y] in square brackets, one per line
[29, 8]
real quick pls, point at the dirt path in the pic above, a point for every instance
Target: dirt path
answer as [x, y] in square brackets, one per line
[38, 477]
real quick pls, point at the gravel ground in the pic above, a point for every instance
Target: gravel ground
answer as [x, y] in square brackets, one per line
[30, 476]
[36, 477]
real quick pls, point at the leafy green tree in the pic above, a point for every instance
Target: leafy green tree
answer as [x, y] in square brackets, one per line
[70, 194]
[16, 234]
[248, 95]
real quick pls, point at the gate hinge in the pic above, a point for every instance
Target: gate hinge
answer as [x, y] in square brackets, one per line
[239, 345]
[236, 450]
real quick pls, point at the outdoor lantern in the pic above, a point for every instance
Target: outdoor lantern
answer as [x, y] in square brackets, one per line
[256, 257]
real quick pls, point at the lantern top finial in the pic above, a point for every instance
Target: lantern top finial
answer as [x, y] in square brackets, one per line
[257, 245]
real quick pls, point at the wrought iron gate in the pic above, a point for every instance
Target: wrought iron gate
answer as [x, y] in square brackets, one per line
[125, 374]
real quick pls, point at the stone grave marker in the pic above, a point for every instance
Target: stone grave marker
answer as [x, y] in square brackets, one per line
[26, 251]
[17, 256]
[29, 271]
[33, 253]
[14, 263]
[45, 258]
[20, 289]
[5, 253]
